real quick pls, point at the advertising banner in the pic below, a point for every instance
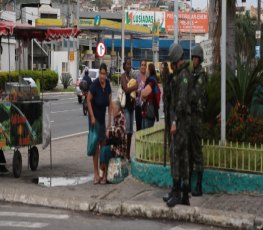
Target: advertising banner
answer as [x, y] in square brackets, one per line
[143, 18]
[197, 22]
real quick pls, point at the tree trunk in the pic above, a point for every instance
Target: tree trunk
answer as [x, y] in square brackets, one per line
[215, 19]
[230, 39]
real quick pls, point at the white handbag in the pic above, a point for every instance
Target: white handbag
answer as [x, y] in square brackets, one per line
[122, 97]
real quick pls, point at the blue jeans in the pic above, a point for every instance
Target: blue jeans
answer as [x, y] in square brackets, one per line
[147, 123]
[129, 121]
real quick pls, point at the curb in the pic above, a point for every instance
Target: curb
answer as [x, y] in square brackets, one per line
[139, 209]
[70, 135]
[57, 93]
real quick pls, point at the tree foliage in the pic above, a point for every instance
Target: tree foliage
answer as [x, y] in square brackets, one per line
[245, 28]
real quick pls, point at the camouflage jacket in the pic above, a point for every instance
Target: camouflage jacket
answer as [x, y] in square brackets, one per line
[180, 88]
[199, 91]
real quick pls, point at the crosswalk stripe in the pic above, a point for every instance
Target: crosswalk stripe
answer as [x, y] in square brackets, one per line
[34, 215]
[22, 224]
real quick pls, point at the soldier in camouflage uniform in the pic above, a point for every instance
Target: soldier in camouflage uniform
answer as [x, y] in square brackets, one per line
[198, 105]
[166, 80]
[180, 115]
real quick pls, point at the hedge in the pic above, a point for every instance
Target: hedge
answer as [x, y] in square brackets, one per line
[49, 80]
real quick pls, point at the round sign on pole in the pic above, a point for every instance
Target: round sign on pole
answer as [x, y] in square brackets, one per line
[100, 49]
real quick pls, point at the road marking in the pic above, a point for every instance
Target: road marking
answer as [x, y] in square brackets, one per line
[185, 228]
[52, 121]
[70, 135]
[35, 215]
[65, 111]
[22, 224]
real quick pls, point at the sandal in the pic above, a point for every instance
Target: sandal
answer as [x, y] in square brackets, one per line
[96, 180]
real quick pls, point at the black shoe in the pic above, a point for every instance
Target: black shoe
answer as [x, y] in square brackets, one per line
[185, 199]
[198, 191]
[174, 200]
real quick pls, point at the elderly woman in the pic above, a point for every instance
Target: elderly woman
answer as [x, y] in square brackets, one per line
[116, 140]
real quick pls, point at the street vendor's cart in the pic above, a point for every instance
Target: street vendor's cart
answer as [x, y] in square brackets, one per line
[21, 106]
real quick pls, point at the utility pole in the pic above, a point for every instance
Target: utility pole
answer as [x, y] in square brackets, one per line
[176, 22]
[190, 47]
[68, 43]
[259, 28]
[122, 32]
[223, 73]
[77, 45]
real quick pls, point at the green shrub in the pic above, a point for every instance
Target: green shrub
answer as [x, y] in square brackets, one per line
[115, 78]
[48, 81]
[66, 79]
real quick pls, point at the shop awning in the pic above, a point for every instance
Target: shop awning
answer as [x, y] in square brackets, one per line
[27, 32]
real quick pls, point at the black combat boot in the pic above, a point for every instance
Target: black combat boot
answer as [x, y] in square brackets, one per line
[198, 189]
[176, 196]
[168, 196]
[185, 199]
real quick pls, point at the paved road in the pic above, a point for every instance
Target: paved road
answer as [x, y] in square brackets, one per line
[13, 216]
[66, 114]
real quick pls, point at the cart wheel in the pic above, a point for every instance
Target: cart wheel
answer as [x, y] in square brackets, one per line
[33, 158]
[17, 164]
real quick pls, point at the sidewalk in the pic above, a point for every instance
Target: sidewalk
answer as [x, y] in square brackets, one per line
[129, 198]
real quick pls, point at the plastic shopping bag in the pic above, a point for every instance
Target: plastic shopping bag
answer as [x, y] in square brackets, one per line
[92, 141]
[117, 170]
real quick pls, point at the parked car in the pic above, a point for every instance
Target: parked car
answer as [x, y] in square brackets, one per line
[93, 73]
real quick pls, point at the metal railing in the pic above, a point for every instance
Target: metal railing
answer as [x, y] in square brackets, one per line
[149, 147]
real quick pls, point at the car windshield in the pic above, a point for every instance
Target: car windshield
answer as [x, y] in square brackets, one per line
[92, 74]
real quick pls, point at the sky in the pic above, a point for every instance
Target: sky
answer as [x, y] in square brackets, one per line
[202, 3]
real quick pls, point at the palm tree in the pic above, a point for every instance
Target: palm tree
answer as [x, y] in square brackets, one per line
[245, 86]
[215, 9]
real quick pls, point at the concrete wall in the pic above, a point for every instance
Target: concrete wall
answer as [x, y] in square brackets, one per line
[214, 181]
[5, 56]
[29, 13]
[59, 57]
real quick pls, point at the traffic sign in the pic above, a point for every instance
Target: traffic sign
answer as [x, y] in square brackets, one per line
[208, 52]
[100, 49]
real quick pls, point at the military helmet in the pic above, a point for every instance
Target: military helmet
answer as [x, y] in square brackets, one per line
[197, 51]
[175, 52]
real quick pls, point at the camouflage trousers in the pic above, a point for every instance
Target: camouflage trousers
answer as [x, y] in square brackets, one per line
[195, 144]
[179, 156]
